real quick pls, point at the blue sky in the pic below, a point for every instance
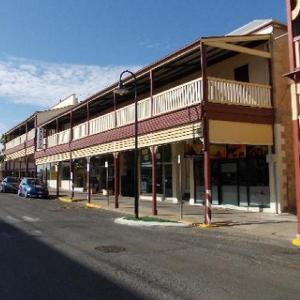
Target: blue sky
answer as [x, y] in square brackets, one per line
[52, 48]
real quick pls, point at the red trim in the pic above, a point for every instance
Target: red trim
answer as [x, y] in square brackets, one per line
[165, 121]
[239, 113]
[30, 143]
[15, 149]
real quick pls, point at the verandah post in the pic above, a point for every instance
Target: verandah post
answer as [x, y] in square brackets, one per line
[205, 124]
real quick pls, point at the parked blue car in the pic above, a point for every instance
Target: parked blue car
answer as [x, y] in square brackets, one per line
[32, 188]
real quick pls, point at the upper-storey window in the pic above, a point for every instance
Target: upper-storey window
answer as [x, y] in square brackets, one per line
[242, 73]
[296, 17]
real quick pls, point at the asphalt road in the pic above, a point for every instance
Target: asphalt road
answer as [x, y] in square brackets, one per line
[50, 250]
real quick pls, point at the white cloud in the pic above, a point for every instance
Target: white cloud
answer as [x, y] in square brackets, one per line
[166, 45]
[37, 82]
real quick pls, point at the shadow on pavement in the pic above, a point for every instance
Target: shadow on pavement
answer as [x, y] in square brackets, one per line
[30, 269]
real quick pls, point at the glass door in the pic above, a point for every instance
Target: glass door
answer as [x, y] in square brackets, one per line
[229, 182]
[199, 180]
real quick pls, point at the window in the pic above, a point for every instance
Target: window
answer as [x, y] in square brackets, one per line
[242, 73]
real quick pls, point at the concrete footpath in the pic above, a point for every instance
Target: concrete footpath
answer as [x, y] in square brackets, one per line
[260, 225]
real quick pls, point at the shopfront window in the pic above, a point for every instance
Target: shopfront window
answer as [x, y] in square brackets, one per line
[80, 173]
[146, 171]
[99, 173]
[163, 171]
[239, 175]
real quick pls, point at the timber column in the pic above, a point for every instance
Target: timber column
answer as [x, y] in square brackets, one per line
[205, 124]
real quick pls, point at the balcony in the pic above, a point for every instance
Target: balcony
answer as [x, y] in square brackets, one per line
[188, 94]
[60, 138]
[20, 139]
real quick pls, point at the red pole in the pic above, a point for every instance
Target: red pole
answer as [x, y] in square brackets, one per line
[205, 124]
[117, 178]
[154, 192]
[151, 90]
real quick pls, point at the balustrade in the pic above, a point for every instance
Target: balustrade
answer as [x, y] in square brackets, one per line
[219, 91]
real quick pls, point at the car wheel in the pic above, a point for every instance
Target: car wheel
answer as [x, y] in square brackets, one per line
[3, 189]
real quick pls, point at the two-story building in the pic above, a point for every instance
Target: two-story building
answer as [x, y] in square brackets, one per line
[20, 141]
[293, 12]
[218, 105]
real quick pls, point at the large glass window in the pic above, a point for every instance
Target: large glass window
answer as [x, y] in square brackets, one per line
[163, 171]
[80, 173]
[240, 175]
[146, 171]
[99, 172]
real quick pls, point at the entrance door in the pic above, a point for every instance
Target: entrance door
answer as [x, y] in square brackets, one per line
[164, 179]
[229, 182]
[199, 180]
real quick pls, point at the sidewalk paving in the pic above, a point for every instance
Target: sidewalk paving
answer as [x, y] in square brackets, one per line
[237, 222]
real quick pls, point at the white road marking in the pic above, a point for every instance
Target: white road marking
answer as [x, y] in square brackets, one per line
[13, 220]
[30, 219]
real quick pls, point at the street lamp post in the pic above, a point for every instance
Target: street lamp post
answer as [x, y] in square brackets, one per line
[122, 90]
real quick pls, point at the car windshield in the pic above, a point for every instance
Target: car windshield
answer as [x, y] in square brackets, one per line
[12, 180]
[34, 182]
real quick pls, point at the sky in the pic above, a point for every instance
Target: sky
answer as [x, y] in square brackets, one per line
[52, 48]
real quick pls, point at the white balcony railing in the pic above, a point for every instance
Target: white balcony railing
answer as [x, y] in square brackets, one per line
[31, 134]
[185, 95]
[80, 131]
[238, 93]
[103, 123]
[16, 141]
[125, 115]
[179, 97]
[52, 140]
[63, 137]
[59, 138]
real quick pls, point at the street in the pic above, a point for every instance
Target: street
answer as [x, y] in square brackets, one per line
[50, 250]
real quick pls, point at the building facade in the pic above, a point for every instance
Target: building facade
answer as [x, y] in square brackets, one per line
[21, 140]
[293, 12]
[213, 128]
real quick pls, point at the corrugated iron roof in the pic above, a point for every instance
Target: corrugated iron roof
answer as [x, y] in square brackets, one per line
[250, 27]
